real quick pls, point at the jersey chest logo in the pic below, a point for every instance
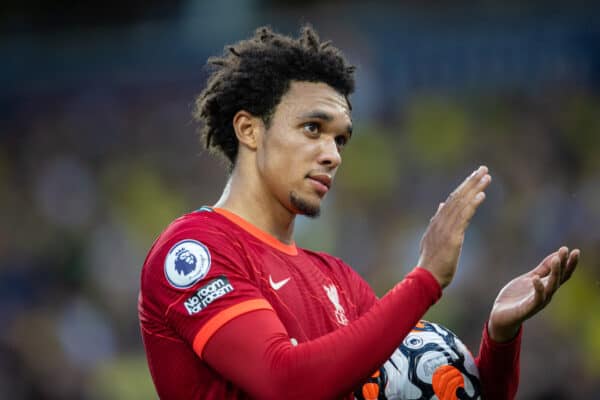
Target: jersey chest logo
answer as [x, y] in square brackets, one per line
[340, 313]
[278, 285]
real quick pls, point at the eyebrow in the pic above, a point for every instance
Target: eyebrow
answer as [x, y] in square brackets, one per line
[322, 115]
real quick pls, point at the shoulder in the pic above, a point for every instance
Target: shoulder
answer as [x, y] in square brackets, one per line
[203, 223]
[203, 226]
[185, 251]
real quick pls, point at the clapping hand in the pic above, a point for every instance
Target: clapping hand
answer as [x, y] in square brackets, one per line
[528, 294]
[442, 242]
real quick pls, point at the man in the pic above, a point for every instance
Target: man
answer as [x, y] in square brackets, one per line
[231, 308]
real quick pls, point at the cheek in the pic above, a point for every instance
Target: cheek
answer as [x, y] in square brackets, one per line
[272, 157]
[286, 157]
[284, 152]
[275, 164]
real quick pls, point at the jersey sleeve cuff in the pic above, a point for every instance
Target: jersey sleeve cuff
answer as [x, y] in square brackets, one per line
[426, 277]
[501, 346]
[223, 317]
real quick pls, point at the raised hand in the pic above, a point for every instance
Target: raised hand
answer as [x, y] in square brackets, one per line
[442, 242]
[528, 294]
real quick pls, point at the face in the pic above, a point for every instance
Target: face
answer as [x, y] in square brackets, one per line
[301, 151]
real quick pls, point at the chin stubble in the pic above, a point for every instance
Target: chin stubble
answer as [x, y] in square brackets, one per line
[304, 207]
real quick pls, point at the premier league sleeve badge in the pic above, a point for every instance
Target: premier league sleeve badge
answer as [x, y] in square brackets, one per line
[186, 263]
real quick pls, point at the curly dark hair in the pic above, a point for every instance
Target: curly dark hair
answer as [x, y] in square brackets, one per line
[254, 74]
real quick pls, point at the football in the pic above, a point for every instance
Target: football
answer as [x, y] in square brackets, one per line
[431, 364]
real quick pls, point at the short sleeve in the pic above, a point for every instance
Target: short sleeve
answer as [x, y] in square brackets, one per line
[198, 280]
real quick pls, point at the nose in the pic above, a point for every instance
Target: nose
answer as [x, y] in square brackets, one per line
[330, 155]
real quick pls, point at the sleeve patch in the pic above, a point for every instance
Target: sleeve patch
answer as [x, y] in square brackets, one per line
[186, 263]
[208, 293]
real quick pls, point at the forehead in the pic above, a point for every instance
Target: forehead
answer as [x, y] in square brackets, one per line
[303, 97]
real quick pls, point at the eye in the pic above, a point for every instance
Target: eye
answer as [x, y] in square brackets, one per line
[341, 140]
[312, 128]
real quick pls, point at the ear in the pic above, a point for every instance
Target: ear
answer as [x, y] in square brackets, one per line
[248, 128]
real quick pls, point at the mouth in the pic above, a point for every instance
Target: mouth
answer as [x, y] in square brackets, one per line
[321, 182]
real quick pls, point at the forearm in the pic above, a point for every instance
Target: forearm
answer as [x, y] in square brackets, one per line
[327, 367]
[498, 365]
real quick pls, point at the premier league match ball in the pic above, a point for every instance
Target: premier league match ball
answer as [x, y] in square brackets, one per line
[431, 364]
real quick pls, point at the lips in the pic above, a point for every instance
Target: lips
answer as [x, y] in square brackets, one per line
[325, 180]
[321, 182]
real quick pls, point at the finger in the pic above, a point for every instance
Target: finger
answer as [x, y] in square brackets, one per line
[544, 267]
[563, 255]
[483, 183]
[479, 185]
[467, 213]
[553, 281]
[572, 262]
[469, 183]
[466, 203]
[439, 209]
[538, 294]
[477, 182]
[461, 205]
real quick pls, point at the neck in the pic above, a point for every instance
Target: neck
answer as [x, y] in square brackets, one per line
[245, 198]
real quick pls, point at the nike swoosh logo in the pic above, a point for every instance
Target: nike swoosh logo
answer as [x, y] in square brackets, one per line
[278, 285]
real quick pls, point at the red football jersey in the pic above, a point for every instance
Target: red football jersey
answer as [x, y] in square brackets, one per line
[211, 266]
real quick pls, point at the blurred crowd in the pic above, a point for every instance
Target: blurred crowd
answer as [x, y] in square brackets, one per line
[92, 171]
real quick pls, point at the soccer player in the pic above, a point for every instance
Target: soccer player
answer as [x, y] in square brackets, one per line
[231, 308]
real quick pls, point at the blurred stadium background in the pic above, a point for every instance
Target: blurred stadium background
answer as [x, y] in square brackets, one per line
[98, 152]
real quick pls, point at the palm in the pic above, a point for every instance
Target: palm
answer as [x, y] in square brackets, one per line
[526, 295]
[516, 301]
